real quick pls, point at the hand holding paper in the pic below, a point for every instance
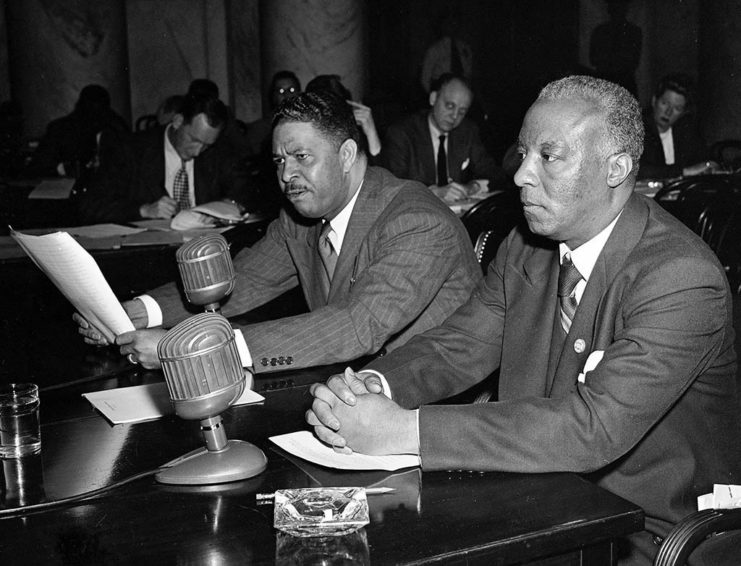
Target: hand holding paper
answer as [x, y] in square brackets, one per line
[74, 272]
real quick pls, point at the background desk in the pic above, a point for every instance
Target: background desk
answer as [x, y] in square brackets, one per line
[444, 517]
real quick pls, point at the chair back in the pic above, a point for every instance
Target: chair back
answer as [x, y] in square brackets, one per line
[710, 206]
[498, 213]
[695, 529]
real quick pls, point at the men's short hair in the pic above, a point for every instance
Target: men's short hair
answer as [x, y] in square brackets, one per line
[446, 78]
[214, 110]
[326, 111]
[620, 109]
[679, 83]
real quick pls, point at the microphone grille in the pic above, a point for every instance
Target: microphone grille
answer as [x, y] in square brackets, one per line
[206, 269]
[199, 357]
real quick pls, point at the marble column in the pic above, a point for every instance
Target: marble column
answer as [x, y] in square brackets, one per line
[719, 76]
[315, 37]
[57, 47]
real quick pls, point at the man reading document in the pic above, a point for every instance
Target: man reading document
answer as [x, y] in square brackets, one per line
[610, 323]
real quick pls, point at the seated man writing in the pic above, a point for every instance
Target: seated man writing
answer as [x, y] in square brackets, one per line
[610, 323]
[378, 259]
[440, 147]
[162, 171]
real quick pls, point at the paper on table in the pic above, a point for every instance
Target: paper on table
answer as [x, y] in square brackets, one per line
[305, 445]
[58, 189]
[75, 273]
[144, 402]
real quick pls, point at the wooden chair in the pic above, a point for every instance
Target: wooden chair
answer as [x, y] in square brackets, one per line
[700, 528]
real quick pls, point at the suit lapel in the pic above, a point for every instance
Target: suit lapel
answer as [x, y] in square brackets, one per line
[427, 150]
[624, 238]
[365, 213]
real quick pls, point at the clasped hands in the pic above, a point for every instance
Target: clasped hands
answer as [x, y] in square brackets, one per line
[139, 346]
[453, 191]
[351, 413]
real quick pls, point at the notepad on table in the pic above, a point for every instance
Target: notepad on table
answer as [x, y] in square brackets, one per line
[144, 402]
[305, 445]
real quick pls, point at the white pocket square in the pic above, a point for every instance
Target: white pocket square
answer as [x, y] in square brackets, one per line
[465, 163]
[591, 363]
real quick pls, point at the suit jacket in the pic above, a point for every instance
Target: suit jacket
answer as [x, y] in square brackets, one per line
[136, 176]
[689, 149]
[405, 264]
[408, 153]
[655, 422]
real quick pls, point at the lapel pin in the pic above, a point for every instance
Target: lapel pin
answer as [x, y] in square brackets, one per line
[579, 346]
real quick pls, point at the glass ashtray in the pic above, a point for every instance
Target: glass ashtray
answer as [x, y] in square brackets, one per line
[320, 511]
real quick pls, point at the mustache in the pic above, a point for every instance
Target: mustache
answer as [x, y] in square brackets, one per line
[294, 187]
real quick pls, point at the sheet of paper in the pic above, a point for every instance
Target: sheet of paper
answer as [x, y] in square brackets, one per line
[305, 445]
[103, 230]
[58, 189]
[75, 273]
[144, 402]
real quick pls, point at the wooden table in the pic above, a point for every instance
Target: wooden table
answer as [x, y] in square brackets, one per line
[441, 517]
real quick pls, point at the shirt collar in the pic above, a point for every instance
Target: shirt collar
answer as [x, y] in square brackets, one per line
[170, 151]
[435, 132]
[585, 256]
[340, 222]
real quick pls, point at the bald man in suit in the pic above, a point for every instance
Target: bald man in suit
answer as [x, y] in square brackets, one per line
[411, 148]
[402, 260]
[627, 375]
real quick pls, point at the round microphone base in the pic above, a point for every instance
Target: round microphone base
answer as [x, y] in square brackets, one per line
[238, 461]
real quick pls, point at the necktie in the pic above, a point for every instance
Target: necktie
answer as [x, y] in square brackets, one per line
[327, 255]
[180, 188]
[442, 164]
[568, 277]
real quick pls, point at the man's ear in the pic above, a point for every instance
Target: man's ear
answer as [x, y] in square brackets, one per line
[433, 97]
[348, 154]
[177, 121]
[619, 166]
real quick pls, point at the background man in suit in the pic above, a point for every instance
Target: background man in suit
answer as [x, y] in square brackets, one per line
[402, 262]
[673, 145]
[440, 147]
[629, 376]
[143, 179]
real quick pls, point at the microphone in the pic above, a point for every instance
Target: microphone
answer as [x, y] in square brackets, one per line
[204, 377]
[206, 270]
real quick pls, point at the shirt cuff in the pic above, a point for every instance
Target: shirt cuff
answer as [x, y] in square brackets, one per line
[154, 312]
[384, 383]
[244, 351]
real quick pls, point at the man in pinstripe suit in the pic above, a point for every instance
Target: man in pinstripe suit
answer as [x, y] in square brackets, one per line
[403, 260]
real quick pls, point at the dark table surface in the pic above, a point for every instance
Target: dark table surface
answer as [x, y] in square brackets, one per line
[443, 517]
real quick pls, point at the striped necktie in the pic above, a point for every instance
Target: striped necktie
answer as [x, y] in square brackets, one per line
[328, 256]
[180, 188]
[568, 278]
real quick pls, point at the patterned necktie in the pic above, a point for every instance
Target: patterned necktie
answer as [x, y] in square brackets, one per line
[568, 277]
[180, 188]
[327, 255]
[442, 164]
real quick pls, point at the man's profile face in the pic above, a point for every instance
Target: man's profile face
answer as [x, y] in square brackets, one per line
[190, 139]
[562, 177]
[668, 108]
[449, 105]
[310, 170]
